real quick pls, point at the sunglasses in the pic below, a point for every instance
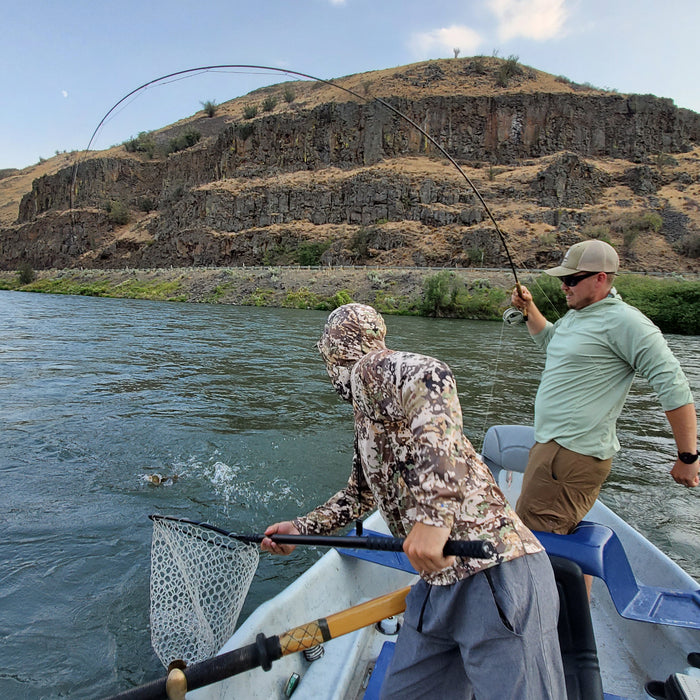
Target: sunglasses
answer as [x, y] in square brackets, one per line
[573, 280]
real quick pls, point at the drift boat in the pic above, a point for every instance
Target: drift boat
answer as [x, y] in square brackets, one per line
[644, 622]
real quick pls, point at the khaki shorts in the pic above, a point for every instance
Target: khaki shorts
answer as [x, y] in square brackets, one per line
[559, 487]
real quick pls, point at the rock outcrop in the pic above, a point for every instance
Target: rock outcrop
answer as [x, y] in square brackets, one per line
[325, 172]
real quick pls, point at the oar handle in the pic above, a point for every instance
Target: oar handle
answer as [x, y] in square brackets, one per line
[471, 549]
[265, 650]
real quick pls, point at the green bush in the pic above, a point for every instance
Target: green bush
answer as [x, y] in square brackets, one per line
[143, 143]
[360, 243]
[310, 253]
[147, 204]
[269, 103]
[548, 297]
[437, 294]
[509, 69]
[478, 66]
[689, 245]
[289, 94]
[25, 273]
[387, 303]
[262, 296]
[250, 111]
[302, 298]
[243, 131]
[632, 224]
[672, 304]
[118, 213]
[184, 140]
[445, 295]
[209, 107]
[599, 231]
[475, 256]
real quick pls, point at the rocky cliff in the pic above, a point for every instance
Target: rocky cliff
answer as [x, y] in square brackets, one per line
[305, 173]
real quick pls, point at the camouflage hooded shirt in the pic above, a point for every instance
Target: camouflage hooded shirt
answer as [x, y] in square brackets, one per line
[411, 457]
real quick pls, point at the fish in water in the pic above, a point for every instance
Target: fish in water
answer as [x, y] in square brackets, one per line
[159, 480]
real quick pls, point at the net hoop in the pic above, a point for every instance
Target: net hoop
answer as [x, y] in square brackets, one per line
[199, 580]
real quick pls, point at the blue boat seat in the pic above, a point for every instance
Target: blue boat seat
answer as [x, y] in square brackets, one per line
[394, 560]
[598, 551]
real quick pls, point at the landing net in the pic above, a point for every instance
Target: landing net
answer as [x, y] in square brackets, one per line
[199, 580]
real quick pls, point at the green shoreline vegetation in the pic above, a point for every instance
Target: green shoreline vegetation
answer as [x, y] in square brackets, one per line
[672, 303]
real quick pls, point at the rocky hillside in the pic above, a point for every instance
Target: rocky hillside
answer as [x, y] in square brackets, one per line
[305, 173]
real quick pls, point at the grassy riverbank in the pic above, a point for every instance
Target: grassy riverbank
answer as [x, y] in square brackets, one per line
[673, 303]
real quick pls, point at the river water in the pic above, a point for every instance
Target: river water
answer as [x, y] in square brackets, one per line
[98, 396]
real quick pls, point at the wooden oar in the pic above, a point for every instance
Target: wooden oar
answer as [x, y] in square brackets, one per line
[265, 650]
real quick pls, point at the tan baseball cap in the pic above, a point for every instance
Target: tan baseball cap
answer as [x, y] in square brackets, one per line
[587, 256]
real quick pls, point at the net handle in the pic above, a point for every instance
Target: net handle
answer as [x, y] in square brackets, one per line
[472, 549]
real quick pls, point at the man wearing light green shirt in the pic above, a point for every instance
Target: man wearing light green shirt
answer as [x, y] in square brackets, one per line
[593, 354]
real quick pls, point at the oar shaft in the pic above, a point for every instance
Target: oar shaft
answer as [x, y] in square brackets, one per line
[367, 613]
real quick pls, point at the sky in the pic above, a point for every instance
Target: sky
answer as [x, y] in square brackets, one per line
[66, 63]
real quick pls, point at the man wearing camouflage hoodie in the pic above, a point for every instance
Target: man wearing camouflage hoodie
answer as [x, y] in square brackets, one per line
[482, 627]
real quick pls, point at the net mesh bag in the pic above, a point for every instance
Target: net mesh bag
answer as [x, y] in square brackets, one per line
[199, 580]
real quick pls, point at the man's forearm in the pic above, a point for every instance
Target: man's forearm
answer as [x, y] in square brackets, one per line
[684, 425]
[535, 320]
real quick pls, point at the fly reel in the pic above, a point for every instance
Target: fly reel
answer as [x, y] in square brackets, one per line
[513, 316]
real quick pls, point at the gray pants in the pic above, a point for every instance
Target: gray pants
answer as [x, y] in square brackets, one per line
[492, 636]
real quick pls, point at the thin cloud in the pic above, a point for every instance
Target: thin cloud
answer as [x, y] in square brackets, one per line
[531, 19]
[64, 93]
[443, 41]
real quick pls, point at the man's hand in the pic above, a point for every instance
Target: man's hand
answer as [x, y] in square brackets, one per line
[686, 474]
[283, 528]
[521, 299]
[424, 546]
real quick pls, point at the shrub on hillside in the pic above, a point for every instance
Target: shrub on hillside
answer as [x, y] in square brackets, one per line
[243, 131]
[250, 111]
[118, 212]
[508, 70]
[143, 143]
[547, 295]
[185, 140]
[689, 245]
[269, 103]
[209, 107]
[310, 253]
